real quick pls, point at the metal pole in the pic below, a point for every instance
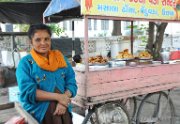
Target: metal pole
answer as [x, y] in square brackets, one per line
[73, 39]
[132, 37]
[44, 20]
[86, 56]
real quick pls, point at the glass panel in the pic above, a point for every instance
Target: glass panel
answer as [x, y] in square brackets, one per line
[89, 24]
[104, 24]
[95, 24]
[65, 25]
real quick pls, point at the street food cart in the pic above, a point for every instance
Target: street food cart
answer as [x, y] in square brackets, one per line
[101, 90]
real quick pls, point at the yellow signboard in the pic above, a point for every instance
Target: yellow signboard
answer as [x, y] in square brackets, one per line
[147, 9]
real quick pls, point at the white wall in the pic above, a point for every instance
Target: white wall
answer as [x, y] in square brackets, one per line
[172, 28]
[79, 29]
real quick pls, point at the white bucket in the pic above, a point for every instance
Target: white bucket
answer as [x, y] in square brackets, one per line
[115, 48]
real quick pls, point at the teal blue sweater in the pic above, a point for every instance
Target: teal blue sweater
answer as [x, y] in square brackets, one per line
[31, 77]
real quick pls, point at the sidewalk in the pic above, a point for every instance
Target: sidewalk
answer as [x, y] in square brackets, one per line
[77, 119]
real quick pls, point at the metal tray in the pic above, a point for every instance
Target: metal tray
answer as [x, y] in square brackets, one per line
[98, 64]
[145, 58]
[123, 59]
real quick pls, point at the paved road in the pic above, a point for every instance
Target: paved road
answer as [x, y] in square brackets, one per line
[175, 96]
[176, 100]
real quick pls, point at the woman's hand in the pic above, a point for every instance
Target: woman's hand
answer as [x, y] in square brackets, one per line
[60, 109]
[68, 93]
[63, 99]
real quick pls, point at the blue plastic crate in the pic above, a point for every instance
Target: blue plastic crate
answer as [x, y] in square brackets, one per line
[14, 94]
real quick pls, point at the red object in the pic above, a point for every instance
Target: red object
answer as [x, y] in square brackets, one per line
[175, 55]
[88, 4]
[16, 120]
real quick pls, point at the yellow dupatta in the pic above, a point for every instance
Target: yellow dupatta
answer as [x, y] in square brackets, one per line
[55, 60]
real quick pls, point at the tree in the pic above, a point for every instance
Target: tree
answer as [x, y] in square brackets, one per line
[116, 28]
[154, 44]
[55, 28]
[22, 27]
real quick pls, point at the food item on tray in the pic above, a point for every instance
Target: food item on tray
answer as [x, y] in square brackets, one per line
[97, 59]
[124, 55]
[144, 54]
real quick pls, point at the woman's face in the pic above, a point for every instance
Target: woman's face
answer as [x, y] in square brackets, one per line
[41, 42]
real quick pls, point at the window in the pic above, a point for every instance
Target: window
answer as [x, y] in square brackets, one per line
[70, 25]
[104, 24]
[89, 24]
[65, 25]
[95, 24]
[127, 25]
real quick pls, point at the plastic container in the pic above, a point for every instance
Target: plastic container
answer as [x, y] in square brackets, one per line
[115, 48]
[117, 63]
[165, 54]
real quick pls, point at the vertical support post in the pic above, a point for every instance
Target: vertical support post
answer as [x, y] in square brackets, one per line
[44, 20]
[73, 39]
[132, 39]
[13, 42]
[86, 56]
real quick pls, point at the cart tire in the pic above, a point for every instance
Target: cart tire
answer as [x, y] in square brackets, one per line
[156, 108]
[108, 113]
[131, 106]
[88, 116]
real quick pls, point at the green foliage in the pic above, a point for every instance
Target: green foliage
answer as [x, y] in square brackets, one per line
[139, 30]
[143, 27]
[134, 26]
[55, 28]
[144, 38]
[22, 27]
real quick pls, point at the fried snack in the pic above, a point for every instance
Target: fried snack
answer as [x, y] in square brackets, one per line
[124, 55]
[128, 55]
[120, 55]
[126, 51]
[97, 59]
[144, 54]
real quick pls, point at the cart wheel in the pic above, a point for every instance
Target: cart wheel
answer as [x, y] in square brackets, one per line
[156, 108]
[109, 113]
[131, 105]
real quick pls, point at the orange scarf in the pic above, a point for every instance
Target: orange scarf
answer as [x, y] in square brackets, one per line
[56, 60]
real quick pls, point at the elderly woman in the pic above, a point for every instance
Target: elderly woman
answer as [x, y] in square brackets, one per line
[46, 80]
